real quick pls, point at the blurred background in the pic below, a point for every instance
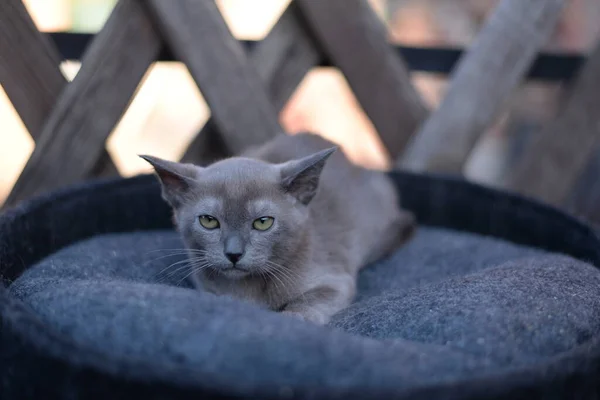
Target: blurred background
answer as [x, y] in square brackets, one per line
[168, 108]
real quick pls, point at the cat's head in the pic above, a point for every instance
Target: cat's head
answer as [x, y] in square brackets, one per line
[242, 216]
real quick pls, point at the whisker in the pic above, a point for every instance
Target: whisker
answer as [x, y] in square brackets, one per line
[177, 270]
[212, 273]
[167, 277]
[187, 260]
[166, 256]
[286, 273]
[175, 252]
[315, 278]
[270, 280]
[183, 250]
[265, 279]
[174, 264]
[191, 263]
[283, 285]
[194, 270]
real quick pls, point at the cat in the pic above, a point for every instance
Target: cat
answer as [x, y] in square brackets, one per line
[286, 225]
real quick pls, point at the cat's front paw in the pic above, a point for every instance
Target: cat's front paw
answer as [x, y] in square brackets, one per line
[308, 315]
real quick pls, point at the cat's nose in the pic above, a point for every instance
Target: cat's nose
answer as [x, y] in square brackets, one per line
[234, 248]
[234, 257]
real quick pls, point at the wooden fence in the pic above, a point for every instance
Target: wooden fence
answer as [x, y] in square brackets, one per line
[70, 122]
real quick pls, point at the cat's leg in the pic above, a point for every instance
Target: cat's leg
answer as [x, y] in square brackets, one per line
[321, 302]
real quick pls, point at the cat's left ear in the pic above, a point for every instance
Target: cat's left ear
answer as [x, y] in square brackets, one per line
[175, 178]
[300, 178]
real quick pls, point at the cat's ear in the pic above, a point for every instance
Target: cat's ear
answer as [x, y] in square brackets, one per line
[176, 179]
[300, 178]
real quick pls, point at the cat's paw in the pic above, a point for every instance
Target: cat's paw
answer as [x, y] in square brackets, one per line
[308, 315]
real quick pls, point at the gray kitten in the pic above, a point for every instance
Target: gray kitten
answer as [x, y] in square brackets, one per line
[287, 225]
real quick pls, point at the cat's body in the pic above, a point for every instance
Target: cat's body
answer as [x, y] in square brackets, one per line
[330, 220]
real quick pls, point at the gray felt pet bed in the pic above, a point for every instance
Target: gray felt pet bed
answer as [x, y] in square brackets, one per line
[495, 297]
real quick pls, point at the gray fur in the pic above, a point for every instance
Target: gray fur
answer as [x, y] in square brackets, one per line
[330, 219]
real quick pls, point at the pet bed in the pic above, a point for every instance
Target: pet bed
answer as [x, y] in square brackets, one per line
[496, 296]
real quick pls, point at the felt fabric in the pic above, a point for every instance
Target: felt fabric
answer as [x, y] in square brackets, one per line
[451, 315]
[478, 304]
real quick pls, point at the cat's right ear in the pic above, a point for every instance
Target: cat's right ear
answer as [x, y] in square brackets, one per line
[300, 178]
[176, 179]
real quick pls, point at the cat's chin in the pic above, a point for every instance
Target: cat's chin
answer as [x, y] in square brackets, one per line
[233, 273]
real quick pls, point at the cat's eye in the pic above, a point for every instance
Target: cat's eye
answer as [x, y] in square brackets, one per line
[208, 221]
[263, 223]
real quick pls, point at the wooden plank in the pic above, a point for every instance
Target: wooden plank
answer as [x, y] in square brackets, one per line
[556, 157]
[207, 146]
[482, 84]
[198, 36]
[282, 60]
[104, 167]
[30, 73]
[29, 66]
[355, 40]
[73, 138]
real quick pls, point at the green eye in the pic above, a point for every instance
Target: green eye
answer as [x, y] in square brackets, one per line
[208, 222]
[263, 223]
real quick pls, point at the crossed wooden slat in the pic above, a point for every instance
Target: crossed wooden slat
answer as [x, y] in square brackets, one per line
[29, 70]
[482, 83]
[354, 39]
[72, 139]
[240, 106]
[554, 164]
[71, 122]
[281, 59]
